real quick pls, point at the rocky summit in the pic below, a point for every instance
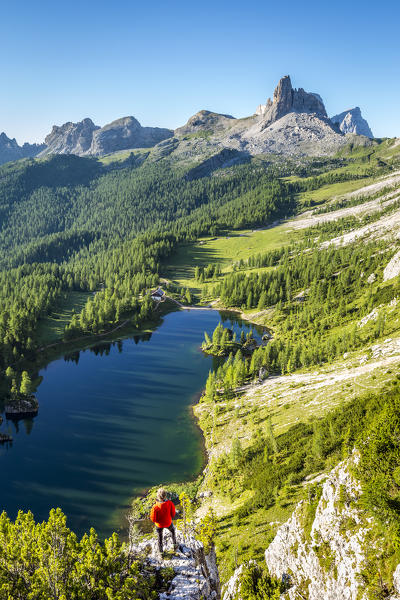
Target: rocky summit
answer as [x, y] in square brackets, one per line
[86, 138]
[351, 121]
[293, 123]
[126, 133]
[70, 138]
[286, 100]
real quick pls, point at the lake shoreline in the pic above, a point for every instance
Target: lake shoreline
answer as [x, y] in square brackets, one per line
[175, 348]
[223, 311]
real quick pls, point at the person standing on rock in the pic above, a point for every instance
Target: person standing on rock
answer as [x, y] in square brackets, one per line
[162, 514]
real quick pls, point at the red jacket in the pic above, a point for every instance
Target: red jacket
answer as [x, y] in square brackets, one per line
[162, 513]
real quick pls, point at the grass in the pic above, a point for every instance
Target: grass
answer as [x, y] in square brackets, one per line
[121, 156]
[51, 328]
[327, 192]
[243, 538]
[223, 250]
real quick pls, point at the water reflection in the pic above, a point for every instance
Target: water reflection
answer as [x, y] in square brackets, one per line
[104, 348]
[113, 421]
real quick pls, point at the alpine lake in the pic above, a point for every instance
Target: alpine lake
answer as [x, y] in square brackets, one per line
[114, 420]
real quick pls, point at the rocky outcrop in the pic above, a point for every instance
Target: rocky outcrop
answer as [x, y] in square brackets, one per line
[124, 134]
[206, 122]
[70, 138]
[293, 123]
[293, 134]
[351, 121]
[286, 100]
[392, 269]
[86, 138]
[10, 150]
[196, 574]
[326, 562]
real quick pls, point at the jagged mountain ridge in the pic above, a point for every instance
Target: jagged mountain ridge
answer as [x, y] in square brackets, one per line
[10, 150]
[294, 122]
[86, 138]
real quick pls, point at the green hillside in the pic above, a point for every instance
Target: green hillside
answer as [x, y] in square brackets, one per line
[299, 247]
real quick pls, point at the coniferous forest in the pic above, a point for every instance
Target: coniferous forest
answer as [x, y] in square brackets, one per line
[112, 230]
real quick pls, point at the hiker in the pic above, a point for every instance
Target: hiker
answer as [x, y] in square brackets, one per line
[162, 514]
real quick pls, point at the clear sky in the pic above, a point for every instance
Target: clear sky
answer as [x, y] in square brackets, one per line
[162, 61]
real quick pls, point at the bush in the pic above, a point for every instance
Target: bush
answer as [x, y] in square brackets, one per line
[257, 584]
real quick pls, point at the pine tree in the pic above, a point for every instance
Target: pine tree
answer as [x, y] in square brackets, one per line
[262, 301]
[236, 452]
[271, 437]
[26, 384]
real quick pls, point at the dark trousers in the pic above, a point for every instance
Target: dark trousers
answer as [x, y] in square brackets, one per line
[171, 528]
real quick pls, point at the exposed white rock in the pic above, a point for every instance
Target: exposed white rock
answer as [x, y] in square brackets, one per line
[372, 316]
[232, 588]
[328, 563]
[351, 121]
[196, 574]
[396, 582]
[392, 269]
[86, 138]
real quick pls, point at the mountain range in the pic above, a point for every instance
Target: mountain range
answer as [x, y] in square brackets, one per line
[294, 122]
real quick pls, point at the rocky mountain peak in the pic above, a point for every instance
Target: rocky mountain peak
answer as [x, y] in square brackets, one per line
[351, 121]
[126, 133]
[10, 150]
[287, 99]
[70, 138]
[86, 138]
[283, 94]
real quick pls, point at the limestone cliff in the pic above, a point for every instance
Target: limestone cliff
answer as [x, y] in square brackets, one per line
[322, 549]
[86, 138]
[124, 134]
[70, 138]
[294, 122]
[286, 99]
[351, 121]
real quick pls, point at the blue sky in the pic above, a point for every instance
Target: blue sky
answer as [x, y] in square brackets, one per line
[164, 61]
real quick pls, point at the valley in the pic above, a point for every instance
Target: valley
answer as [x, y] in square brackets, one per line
[287, 223]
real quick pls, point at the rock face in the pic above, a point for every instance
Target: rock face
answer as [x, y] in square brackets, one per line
[293, 123]
[196, 574]
[327, 562]
[392, 269]
[293, 134]
[86, 138]
[205, 122]
[351, 121]
[70, 138]
[286, 100]
[10, 150]
[126, 133]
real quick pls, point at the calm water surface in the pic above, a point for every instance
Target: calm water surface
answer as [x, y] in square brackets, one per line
[111, 423]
